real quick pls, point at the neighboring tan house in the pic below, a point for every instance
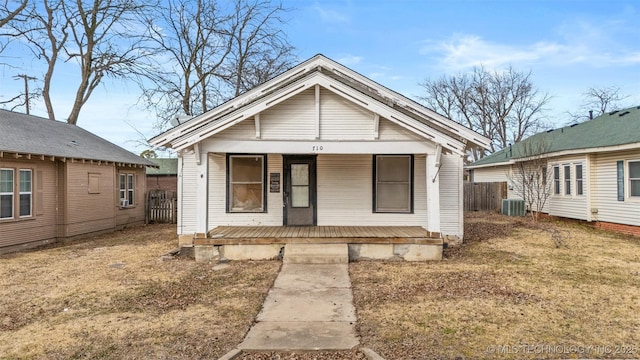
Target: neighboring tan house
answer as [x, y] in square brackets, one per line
[165, 177]
[58, 180]
[320, 145]
[593, 169]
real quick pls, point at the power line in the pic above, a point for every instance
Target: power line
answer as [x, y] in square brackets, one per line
[26, 79]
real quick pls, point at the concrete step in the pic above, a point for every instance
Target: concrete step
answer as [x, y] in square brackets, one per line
[316, 254]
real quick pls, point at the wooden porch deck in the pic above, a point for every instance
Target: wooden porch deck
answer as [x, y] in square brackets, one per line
[258, 235]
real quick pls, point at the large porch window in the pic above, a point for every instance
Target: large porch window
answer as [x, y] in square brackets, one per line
[393, 184]
[246, 183]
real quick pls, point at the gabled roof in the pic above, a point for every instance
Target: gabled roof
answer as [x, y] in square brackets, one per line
[614, 130]
[22, 134]
[166, 166]
[339, 79]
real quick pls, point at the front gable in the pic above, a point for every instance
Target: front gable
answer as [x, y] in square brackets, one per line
[339, 120]
[320, 100]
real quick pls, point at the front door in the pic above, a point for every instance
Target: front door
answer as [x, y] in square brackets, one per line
[299, 189]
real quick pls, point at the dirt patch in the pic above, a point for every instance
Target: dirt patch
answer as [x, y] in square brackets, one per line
[114, 297]
[508, 293]
[313, 355]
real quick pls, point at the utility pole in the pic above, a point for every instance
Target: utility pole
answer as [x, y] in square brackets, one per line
[26, 79]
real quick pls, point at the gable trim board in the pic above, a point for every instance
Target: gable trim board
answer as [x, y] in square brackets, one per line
[325, 110]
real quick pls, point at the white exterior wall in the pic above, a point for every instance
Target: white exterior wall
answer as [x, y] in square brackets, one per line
[187, 194]
[451, 195]
[345, 185]
[570, 206]
[292, 120]
[218, 196]
[342, 119]
[604, 195]
[491, 174]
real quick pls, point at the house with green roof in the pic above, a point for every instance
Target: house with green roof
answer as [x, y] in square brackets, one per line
[593, 167]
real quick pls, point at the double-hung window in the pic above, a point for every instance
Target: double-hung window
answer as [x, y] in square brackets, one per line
[556, 180]
[567, 179]
[393, 184]
[579, 180]
[26, 188]
[12, 189]
[6, 193]
[634, 178]
[127, 190]
[246, 183]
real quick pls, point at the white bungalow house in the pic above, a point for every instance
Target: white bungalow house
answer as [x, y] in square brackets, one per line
[593, 170]
[320, 146]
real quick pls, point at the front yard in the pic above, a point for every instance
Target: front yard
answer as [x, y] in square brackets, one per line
[508, 293]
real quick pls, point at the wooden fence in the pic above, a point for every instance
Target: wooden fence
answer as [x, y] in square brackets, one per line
[162, 207]
[484, 196]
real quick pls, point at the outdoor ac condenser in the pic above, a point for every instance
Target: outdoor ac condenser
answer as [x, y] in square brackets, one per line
[513, 207]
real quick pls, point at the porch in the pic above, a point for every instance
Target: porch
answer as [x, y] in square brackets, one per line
[265, 235]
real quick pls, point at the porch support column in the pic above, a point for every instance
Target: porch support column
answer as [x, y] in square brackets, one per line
[202, 171]
[433, 193]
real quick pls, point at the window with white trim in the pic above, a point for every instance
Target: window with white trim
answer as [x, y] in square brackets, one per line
[567, 179]
[579, 180]
[556, 180]
[634, 178]
[127, 185]
[16, 193]
[26, 192]
[246, 183]
[393, 184]
[6, 193]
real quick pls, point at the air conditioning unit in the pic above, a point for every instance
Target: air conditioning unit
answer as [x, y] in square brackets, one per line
[124, 202]
[513, 207]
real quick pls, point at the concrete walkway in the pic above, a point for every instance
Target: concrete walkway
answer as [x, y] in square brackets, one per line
[309, 307]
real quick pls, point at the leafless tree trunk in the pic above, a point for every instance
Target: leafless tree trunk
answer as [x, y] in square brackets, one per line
[503, 106]
[207, 53]
[96, 35]
[530, 177]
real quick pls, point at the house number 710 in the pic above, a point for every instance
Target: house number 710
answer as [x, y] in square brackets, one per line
[317, 148]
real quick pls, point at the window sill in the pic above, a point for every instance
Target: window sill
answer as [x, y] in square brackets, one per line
[10, 220]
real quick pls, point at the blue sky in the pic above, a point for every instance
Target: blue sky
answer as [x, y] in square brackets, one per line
[568, 46]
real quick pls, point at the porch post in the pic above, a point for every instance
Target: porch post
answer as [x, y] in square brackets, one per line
[433, 193]
[202, 171]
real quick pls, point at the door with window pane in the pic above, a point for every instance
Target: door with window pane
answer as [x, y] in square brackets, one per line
[299, 190]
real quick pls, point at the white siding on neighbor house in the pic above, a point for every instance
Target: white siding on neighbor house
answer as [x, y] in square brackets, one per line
[187, 194]
[491, 174]
[570, 206]
[605, 189]
[217, 203]
[451, 215]
[293, 119]
[345, 185]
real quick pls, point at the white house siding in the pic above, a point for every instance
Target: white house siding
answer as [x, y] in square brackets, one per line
[243, 130]
[570, 206]
[387, 130]
[345, 193]
[217, 202]
[451, 192]
[341, 119]
[293, 119]
[605, 189]
[491, 174]
[187, 194]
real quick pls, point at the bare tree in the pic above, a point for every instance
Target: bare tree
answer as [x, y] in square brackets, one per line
[259, 48]
[190, 48]
[207, 52]
[96, 35]
[7, 13]
[501, 105]
[530, 175]
[598, 101]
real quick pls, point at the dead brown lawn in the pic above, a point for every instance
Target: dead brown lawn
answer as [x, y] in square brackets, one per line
[509, 293]
[112, 297]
